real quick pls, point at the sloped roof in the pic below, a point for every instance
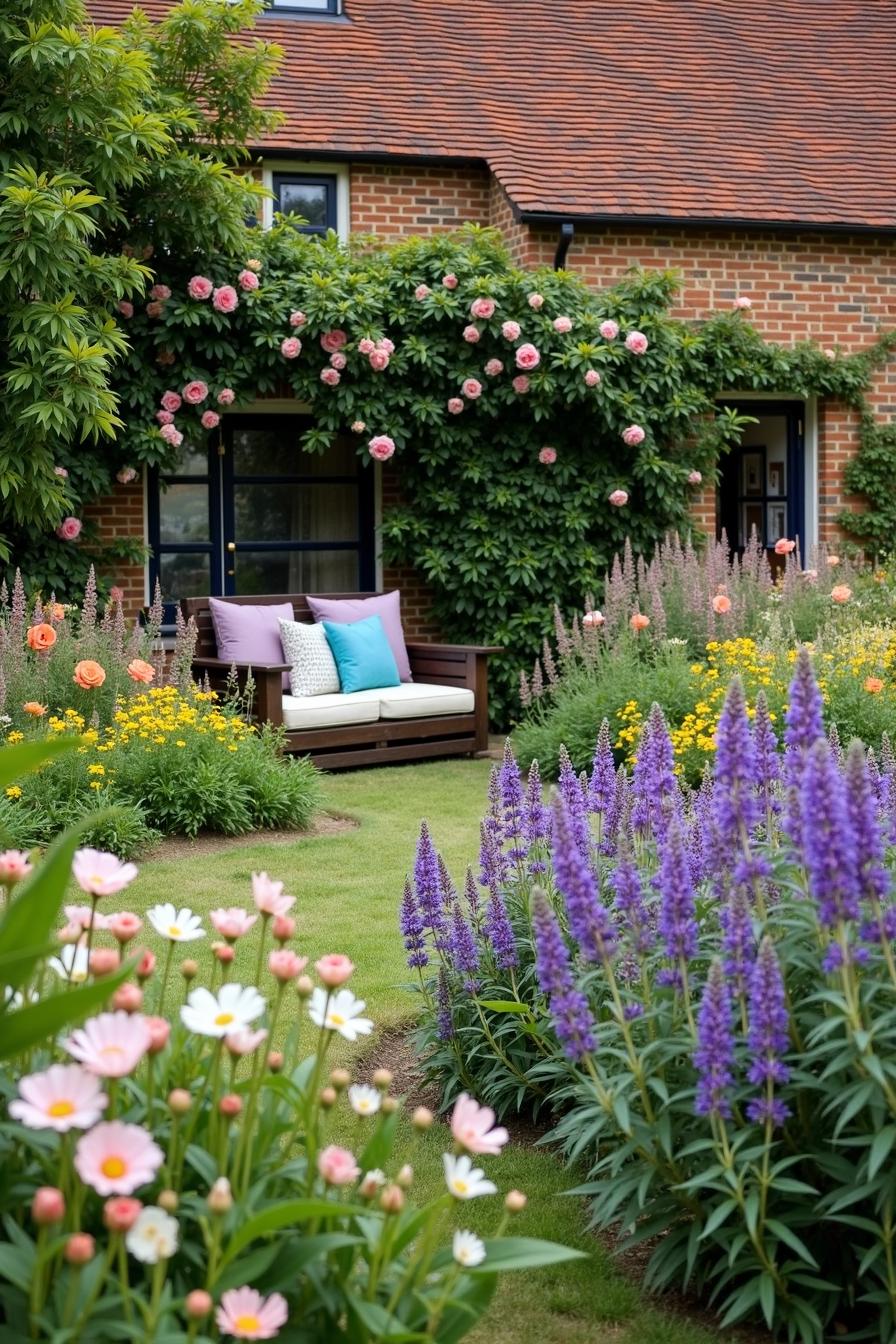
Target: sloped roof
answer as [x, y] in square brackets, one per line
[778, 111]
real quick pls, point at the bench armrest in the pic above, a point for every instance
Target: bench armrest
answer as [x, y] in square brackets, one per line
[457, 665]
[425, 648]
[268, 678]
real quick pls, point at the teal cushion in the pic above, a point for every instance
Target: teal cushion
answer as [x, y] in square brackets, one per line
[363, 655]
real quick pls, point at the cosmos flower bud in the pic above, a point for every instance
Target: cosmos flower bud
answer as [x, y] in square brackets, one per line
[392, 1199]
[275, 1060]
[328, 1097]
[340, 1079]
[230, 1105]
[515, 1201]
[304, 987]
[422, 1118]
[189, 968]
[80, 1248]
[48, 1206]
[220, 1197]
[198, 1304]
[382, 1079]
[389, 1106]
[168, 1200]
[179, 1101]
[405, 1177]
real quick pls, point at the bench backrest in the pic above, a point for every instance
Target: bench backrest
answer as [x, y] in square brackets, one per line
[198, 608]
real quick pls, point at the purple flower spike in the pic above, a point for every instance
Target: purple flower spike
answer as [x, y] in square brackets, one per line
[512, 802]
[828, 839]
[714, 1056]
[677, 921]
[602, 785]
[804, 710]
[861, 800]
[738, 941]
[471, 894]
[569, 1008]
[499, 932]
[428, 888]
[589, 921]
[464, 953]
[657, 797]
[768, 1037]
[768, 760]
[630, 903]
[570, 789]
[536, 819]
[735, 809]
[492, 866]
[413, 930]
[444, 1013]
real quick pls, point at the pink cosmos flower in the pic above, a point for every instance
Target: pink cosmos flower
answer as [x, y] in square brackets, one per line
[64, 1097]
[339, 360]
[125, 308]
[471, 388]
[379, 360]
[449, 281]
[381, 447]
[195, 392]
[334, 969]
[171, 401]
[536, 301]
[618, 498]
[358, 426]
[286, 965]
[422, 292]
[291, 348]
[333, 341]
[483, 308]
[61, 471]
[471, 334]
[160, 292]
[510, 331]
[124, 926]
[527, 357]
[592, 377]
[337, 1165]
[472, 1127]
[225, 299]
[784, 546]
[366, 346]
[232, 922]
[547, 456]
[721, 604]
[455, 405]
[210, 420]
[69, 529]
[110, 1045]
[80, 915]
[283, 928]
[633, 435]
[609, 329]
[165, 417]
[154, 309]
[226, 397]
[200, 287]
[245, 1314]
[695, 477]
[636, 342]
[520, 384]
[14, 865]
[593, 619]
[247, 280]
[742, 301]
[172, 435]
[297, 319]
[101, 874]
[493, 368]
[563, 325]
[116, 1159]
[268, 896]
[244, 1041]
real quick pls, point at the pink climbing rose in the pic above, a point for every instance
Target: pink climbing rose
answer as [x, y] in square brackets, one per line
[385, 344]
[333, 341]
[742, 301]
[510, 331]
[225, 299]
[69, 529]
[161, 292]
[592, 377]
[471, 334]
[172, 435]
[483, 308]
[618, 498]
[527, 357]
[331, 377]
[195, 392]
[636, 342]
[471, 388]
[164, 417]
[695, 477]
[381, 447]
[291, 348]
[493, 368]
[609, 329]
[339, 360]
[548, 456]
[171, 401]
[297, 319]
[563, 325]
[226, 397]
[154, 309]
[125, 475]
[633, 435]
[422, 292]
[125, 308]
[210, 419]
[379, 360]
[358, 426]
[247, 280]
[366, 346]
[455, 405]
[449, 281]
[536, 301]
[520, 384]
[200, 287]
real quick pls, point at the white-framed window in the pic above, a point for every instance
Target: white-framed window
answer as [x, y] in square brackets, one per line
[318, 192]
[305, 6]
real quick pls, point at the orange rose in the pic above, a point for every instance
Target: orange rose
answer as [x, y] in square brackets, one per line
[873, 685]
[639, 621]
[721, 604]
[88, 674]
[841, 593]
[41, 636]
[35, 708]
[57, 611]
[138, 670]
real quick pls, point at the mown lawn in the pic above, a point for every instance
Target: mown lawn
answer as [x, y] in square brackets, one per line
[348, 886]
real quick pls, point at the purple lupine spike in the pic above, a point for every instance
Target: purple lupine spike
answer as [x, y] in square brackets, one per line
[428, 888]
[570, 789]
[463, 950]
[471, 894]
[570, 1013]
[512, 801]
[828, 839]
[492, 820]
[635, 918]
[590, 922]
[768, 760]
[602, 785]
[804, 716]
[17, 612]
[835, 744]
[449, 891]
[714, 1055]
[696, 847]
[525, 692]
[768, 1036]
[618, 821]
[738, 941]
[735, 808]
[444, 1010]
[37, 613]
[887, 758]
[413, 930]
[536, 819]
[657, 796]
[88, 606]
[492, 863]
[499, 932]
[861, 801]
[677, 921]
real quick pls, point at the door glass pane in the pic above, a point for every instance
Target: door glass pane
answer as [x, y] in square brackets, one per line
[296, 572]
[184, 576]
[776, 524]
[189, 462]
[183, 513]
[308, 199]
[295, 512]
[340, 459]
[277, 452]
[776, 468]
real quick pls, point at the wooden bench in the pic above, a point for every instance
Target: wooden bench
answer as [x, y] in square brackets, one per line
[381, 742]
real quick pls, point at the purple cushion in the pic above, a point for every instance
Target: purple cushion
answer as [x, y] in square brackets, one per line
[385, 605]
[250, 634]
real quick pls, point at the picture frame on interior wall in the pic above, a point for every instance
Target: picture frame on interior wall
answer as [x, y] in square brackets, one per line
[751, 469]
[776, 478]
[776, 527]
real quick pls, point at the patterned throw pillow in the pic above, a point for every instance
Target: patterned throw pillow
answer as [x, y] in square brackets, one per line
[306, 649]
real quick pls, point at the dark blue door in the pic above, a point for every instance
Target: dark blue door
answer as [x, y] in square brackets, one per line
[762, 484]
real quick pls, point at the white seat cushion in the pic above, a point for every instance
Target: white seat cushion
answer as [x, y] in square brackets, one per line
[330, 711]
[419, 700]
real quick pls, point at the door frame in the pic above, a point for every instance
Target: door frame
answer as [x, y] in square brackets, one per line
[771, 403]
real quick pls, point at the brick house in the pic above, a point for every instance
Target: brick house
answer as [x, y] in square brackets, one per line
[749, 145]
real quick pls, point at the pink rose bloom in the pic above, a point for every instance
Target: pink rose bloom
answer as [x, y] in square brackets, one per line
[337, 1165]
[125, 308]
[633, 435]
[334, 969]
[721, 604]
[784, 546]
[286, 965]
[195, 392]
[593, 619]
[171, 401]
[154, 309]
[473, 1128]
[69, 529]
[510, 331]
[291, 348]
[210, 419]
[483, 308]
[225, 299]
[449, 281]
[527, 357]
[297, 319]
[455, 405]
[520, 384]
[695, 477]
[422, 292]
[743, 302]
[200, 287]
[247, 280]
[547, 456]
[160, 292]
[387, 345]
[339, 360]
[226, 397]
[609, 329]
[471, 388]
[116, 1159]
[333, 341]
[358, 426]
[332, 377]
[618, 498]
[841, 593]
[61, 471]
[264, 1315]
[563, 325]
[171, 435]
[379, 360]
[471, 334]
[366, 346]
[493, 368]
[164, 417]
[381, 447]
[592, 377]
[536, 301]
[636, 342]
[268, 896]
[829, 353]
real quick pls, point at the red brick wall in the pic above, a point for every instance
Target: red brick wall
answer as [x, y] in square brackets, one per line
[416, 596]
[394, 201]
[121, 515]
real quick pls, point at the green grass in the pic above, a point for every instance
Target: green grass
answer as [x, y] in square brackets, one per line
[348, 886]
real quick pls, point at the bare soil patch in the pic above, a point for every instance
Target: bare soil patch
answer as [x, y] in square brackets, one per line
[209, 842]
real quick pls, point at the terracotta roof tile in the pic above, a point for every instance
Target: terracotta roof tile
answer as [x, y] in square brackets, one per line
[766, 110]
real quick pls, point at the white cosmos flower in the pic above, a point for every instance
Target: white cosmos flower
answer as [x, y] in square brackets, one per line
[364, 1099]
[465, 1181]
[19, 998]
[180, 926]
[467, 1249]
[339, 1012]
[72, 963]
[153, 1236]
[222, 1014]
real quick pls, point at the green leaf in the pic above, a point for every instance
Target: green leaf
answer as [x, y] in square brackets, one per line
[284, 1215]
[505, 1253]
[378, 1322]
[41, 1021]
[24, 757]
[880, 1149]
[503, 1006]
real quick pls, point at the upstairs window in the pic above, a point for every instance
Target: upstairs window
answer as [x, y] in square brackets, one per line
[306, 6]
[311, 196]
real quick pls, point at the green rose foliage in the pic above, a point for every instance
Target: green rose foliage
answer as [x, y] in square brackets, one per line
[498, 535]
